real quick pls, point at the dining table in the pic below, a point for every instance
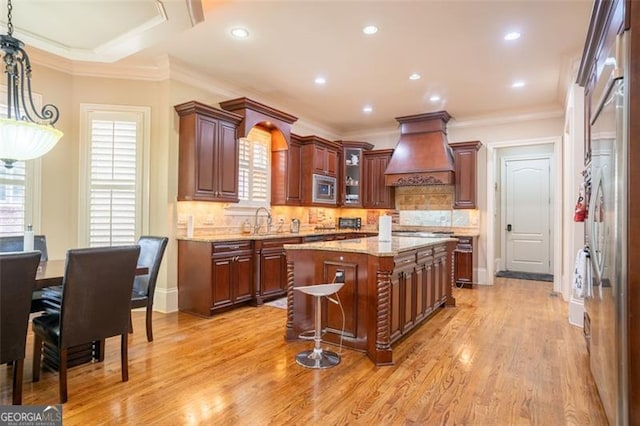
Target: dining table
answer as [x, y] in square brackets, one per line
[51, 273]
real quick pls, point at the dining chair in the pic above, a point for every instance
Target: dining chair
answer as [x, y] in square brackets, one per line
[144, 286]
[17, 280]
[16, 243]
[96, 296]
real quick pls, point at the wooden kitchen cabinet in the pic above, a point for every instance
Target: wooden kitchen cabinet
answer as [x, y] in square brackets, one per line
[325, 161]
[376, 194]
[232, 278]
[286, 174]
[214, 277]
[418, 286]
[271, 268]
[463, 263]
[352, 179]
[465, 159]
[208, 153]
[320, 155]
[441, 275]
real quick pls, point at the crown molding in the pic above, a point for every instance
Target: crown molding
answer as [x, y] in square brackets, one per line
[153, 71]
[480, 121]
[484, 121]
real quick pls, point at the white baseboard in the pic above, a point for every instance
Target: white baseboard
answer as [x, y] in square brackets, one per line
[166, 300]
[481, 273]
[576, 312]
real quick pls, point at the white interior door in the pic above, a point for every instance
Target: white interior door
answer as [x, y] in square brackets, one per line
[527, 211]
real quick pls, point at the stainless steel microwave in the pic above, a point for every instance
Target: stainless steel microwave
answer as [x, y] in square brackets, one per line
[324, 189]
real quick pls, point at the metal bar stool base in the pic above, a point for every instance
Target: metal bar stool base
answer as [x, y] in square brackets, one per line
[315, 359]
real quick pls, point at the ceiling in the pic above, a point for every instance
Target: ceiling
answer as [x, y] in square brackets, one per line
[456, 46]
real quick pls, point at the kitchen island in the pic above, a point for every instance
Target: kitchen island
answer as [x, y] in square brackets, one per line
[390, 288]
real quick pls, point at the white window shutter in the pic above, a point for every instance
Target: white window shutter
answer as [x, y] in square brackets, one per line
[254, 176]
[112, 204]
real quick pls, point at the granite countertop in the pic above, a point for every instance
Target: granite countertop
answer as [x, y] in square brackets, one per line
[459, 231]
[240, 237]
[371, 245]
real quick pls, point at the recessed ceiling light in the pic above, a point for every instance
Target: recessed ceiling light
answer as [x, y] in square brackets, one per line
[518, 84]
[513, 35]
[239, 32]
[367, 109]
[434, 98]
[370, 29]
[414, 76]
[320, 80]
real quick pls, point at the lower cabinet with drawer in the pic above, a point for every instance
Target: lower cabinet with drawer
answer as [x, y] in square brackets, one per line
[463, 263]
[419, 285]
[214, 276]
[271, 268]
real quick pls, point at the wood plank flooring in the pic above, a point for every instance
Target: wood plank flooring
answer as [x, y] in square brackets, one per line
[506, 355]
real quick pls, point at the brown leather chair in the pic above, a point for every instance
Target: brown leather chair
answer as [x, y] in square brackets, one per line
[16, 243]
[144, 286]
[17, 281]
[96, 297]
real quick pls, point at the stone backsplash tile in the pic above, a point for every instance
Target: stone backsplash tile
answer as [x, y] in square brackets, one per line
[433, 197]
[440, 218]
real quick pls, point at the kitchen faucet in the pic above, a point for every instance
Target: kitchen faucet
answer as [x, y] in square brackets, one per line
[256, 227]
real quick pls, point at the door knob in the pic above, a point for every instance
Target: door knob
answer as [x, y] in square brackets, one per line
[509, 228]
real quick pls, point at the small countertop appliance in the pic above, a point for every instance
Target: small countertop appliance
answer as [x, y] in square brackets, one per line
[349, 223]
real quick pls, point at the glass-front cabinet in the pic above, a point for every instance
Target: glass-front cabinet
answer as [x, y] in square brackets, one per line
[353, 176]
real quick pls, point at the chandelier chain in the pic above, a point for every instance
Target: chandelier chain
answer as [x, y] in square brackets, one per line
[9, 23]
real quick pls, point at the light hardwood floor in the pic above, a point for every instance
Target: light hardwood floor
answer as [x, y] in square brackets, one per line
[506, 355]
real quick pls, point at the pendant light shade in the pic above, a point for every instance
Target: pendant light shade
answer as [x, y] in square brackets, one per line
[22, 140]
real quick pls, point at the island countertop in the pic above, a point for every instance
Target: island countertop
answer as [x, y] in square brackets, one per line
[389, 288]
[371, 245]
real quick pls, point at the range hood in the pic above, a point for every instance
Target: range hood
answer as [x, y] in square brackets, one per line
[422, 155]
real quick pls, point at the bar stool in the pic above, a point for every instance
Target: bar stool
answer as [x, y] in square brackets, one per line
[318, 358]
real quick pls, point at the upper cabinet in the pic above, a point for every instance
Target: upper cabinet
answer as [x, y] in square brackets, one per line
[352, 176]
[376, 194]
[319, 158]
[464, 158]
[286, 177]
[208, 153]
[324, 158]
[285, 148]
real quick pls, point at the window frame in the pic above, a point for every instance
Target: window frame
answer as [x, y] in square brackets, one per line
[33, 178]
[142, 115]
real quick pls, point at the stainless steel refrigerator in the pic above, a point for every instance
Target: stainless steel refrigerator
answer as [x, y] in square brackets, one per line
[606, 229]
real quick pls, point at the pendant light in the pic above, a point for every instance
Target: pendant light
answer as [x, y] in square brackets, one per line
[25, 132]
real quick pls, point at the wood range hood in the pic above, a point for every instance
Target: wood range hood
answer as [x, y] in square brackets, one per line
[422, 155]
